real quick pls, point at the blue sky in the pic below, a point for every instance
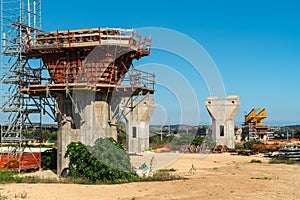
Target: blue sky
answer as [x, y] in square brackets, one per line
[254, 44]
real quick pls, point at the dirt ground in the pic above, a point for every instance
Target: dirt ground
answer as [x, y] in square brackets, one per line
[216, 176]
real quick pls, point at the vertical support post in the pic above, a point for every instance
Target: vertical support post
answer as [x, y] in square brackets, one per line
[28, 14]
[34, 18]
[41, 134]
[99, 31]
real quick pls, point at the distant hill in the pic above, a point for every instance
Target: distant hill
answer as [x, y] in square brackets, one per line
[293, 127]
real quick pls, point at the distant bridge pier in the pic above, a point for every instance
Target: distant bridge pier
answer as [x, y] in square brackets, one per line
[223, 112]
[138, 116]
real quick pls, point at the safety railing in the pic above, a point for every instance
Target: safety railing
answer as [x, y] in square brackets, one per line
[133, 78]
[138, 78]
[90, 37]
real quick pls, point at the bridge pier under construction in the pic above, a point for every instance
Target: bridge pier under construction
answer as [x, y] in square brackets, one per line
[82, 77]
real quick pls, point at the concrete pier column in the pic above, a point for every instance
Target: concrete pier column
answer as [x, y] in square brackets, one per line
[85, 122]
[137, 124]
[223, 112]
[238, 133]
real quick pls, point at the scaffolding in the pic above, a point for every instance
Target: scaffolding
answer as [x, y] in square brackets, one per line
[20, 19]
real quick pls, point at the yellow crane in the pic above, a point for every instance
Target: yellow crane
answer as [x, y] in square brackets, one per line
[255, 117]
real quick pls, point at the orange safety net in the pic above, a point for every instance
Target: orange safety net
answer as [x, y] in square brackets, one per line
[20, 162]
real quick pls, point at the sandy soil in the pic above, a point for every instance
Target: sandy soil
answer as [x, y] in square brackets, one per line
[217, 176]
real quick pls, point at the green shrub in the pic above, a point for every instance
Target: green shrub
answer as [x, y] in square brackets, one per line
[255, 161]
[248, 145]
[8, 177]
[161, 175]
[277, 161]
[156, 140]
[49, 159]
[106, 161]
[239, 147]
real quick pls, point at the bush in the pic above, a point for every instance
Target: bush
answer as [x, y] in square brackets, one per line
[239, 147]
[49, 159]
[277, 161]
[255, 161]
[248, 145]
[8, 177]
[156, 140]
[188, 139]
[161, 175]
[106, 161]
